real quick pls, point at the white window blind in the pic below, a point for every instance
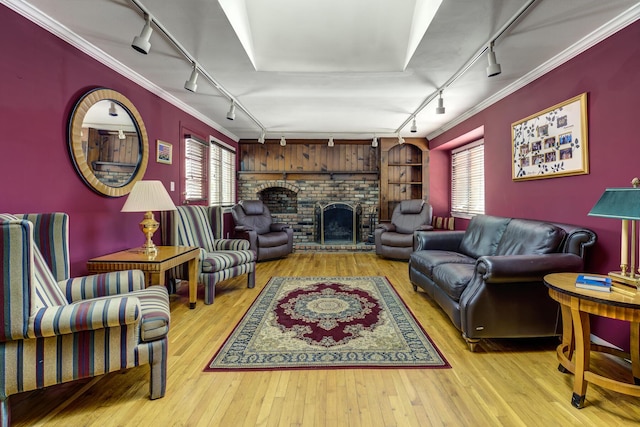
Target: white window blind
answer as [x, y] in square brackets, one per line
[196, 159]
[467, 180]
[223, 174]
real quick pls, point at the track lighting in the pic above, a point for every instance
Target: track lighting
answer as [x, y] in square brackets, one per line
[112, 110]
[141, 43]
[493, 69]
[414, 128]
[191, 84]
[262, 137]
[440, 107]
[400, 139]
[283, 141]
[330, 144]
[231, 115]
[374, 143]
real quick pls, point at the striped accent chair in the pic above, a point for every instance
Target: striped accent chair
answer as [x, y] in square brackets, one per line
[220, 259]
[55, 329]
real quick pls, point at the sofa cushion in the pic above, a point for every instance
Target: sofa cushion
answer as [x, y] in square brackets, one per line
[527, 237]
[483, 235]
[453, 278]
[426, 260]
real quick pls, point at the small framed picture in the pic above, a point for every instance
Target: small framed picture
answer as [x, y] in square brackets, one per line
[164, 152]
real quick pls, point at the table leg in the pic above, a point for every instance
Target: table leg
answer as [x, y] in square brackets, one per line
[566, 348]
[156, 278]
[635, 352]
[582, 330]
[193, 282]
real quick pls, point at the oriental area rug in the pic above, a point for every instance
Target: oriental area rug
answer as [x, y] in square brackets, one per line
[327, 323]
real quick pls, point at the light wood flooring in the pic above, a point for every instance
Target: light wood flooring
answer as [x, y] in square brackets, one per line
[505, 383]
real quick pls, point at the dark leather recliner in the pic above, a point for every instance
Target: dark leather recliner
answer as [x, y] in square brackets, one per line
[253, 222]
[395, 239]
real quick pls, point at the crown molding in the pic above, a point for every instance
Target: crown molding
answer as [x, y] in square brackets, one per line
[618, 23]
[54, 27]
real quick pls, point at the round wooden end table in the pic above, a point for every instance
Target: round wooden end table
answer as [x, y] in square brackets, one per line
[576, 305]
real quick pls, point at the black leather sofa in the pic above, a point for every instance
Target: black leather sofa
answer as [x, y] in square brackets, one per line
[488, 279]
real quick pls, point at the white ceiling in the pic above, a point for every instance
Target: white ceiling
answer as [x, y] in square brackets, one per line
[343, 68]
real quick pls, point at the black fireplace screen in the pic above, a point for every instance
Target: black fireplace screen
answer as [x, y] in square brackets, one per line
[338, 223]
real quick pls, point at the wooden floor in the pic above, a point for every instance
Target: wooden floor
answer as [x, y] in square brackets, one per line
[505, 383]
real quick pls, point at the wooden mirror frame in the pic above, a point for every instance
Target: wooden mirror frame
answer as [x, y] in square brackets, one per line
[75, 141]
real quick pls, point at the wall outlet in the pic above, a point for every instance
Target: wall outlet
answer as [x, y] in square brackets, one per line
[173, 186]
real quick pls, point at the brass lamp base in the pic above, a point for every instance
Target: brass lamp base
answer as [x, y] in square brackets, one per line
[624, 284]
[148, 226]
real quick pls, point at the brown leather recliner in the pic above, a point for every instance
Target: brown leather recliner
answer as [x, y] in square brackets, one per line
[253, 222]
[395, 239]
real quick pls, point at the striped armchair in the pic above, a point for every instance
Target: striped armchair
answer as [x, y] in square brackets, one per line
[55, 329]
[220, 259]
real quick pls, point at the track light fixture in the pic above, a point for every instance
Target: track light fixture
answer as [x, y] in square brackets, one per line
[262, 137]
[414, 128]
[493, 69]
[374, 142]
[440, 107]
[141, 43]
[330, 144]
[400, 139]
[283, 142]
[231, 114]
[191, 84]
[112, 109]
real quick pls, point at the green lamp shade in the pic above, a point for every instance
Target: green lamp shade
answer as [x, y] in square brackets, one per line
[620, 203]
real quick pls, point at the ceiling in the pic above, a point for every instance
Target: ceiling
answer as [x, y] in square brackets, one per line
[350, 69]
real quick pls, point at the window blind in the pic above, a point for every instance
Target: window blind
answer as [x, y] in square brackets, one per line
[467, 180]
[223, 174]
[195, 187]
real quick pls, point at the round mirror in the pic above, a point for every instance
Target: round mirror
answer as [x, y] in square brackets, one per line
[108, 142]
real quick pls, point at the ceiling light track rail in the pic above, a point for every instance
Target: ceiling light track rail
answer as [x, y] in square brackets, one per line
[196, 67]
[488, 46]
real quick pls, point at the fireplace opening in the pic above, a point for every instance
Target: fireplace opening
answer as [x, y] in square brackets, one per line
[338, 223]
[279, 200]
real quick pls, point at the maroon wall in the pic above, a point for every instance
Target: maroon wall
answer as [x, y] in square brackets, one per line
[609, 73]
[41, 79]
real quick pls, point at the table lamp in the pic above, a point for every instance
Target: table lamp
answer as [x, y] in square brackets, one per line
[148, 196]
[624, 204]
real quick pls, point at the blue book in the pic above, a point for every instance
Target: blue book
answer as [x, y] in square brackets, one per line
[594, 283]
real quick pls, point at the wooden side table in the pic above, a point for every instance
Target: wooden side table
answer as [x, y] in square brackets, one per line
[154, 268]
[577, 304]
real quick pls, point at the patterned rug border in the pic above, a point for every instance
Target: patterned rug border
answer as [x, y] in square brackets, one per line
[445, 364]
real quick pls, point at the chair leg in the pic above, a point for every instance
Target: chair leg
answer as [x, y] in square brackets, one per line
[158, 379]
[251, 279]
[5, 415]
[209, 291]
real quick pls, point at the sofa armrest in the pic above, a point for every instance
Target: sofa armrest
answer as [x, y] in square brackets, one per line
[442, 240]
[276, 226]
[90, 315]
[525, 268]
[102, 285]
[242, 228]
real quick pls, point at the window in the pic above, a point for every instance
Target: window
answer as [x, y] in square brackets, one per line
[467, 180]
[222, 186]
[195, 176]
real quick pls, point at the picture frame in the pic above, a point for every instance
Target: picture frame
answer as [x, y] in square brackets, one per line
[164, 152]
[551, 143]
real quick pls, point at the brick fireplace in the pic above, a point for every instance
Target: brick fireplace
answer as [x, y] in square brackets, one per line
[295, 202]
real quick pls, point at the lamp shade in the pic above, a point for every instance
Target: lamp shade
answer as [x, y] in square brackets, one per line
[620, 203]
[148, 196]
